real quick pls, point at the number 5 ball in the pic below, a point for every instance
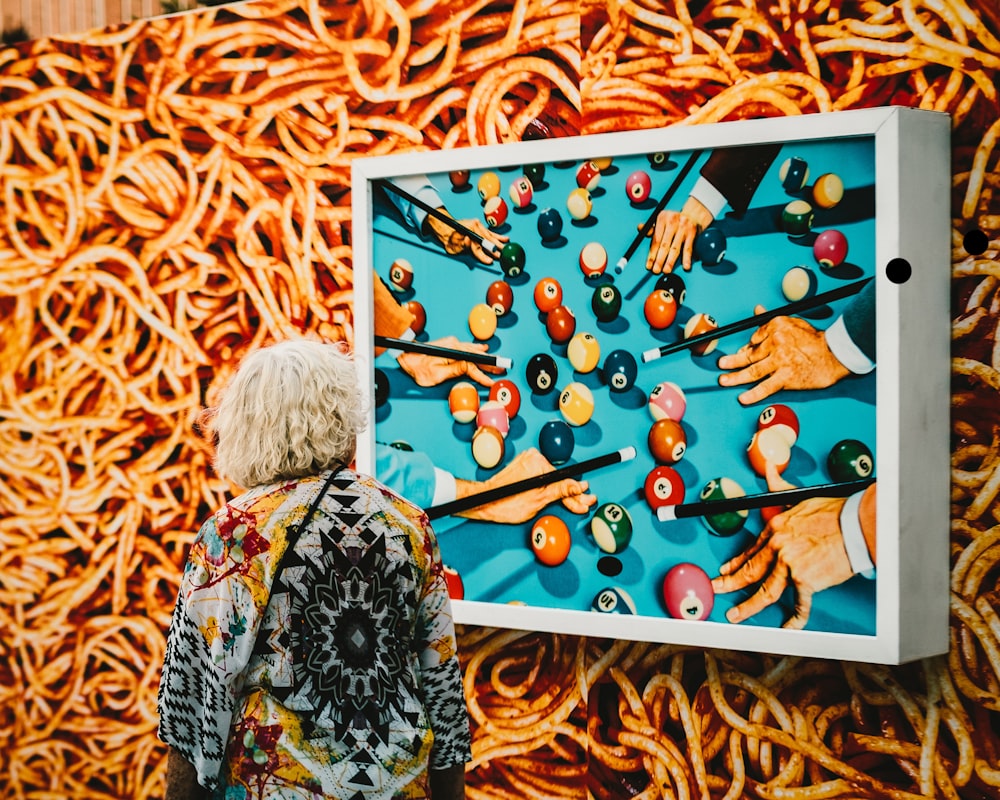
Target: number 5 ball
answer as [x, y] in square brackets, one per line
[611, 527]
[550, 540]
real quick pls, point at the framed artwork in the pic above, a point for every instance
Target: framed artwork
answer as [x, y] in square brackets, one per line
[772, 413]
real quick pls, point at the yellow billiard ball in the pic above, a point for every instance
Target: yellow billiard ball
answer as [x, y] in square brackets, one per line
[579, 204]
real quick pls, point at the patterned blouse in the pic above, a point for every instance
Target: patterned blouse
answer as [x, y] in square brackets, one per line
[336, 679]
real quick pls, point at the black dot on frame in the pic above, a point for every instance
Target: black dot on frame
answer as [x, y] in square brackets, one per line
[609, 566]
[975, 242]
[898, 270]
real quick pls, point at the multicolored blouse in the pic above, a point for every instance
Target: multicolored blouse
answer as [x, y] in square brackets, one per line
[337, 678]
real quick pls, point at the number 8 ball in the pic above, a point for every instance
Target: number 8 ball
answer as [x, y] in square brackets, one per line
[541, 373]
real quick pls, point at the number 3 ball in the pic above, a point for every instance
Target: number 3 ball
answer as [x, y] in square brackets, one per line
[850, 460]
[620, 370]
[541, 373]
[638, 186]
[556, 441]
[613, 600]
[688, 593]
[606, 302]
[550, 540]
[667, 441]
[611, 527]
[663, 486]
[830, 249]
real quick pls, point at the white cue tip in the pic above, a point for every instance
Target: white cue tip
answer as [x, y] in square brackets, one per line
[666, 513]
[650, 355]
[627, 453]
[504, 363]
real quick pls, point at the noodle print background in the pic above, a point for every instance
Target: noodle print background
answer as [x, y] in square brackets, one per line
[177, 190]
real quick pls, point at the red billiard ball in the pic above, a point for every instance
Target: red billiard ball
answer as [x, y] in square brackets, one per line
[419, 316]
[550, 540]
[782, 418]
[588, 175]
[482, 321]
[521, 192]
[638, 186]
[830, 249]
[456, 588]
[667, 441]
[494, 414]
[508, 395]
[401, 275]
[696, 326]
[463, 401]
[593, 259]
[663, 486]
[548, 294]
[667, 401]
[495, 211]
[459, 178]
[560, 324]
[768, 446]
[500, 297]
[487, 446]
[688, 593]
[660, 309]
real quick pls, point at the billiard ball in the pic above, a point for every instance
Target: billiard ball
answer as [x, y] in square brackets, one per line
[849, 460]
[593, 259]
[798, 283]
[638, 186]
[381, 388]
[579, 204]
[588, 175]
[613, 600]
[459, 178]
[830, 249]
[512, 259]
[611, 527]
[548, 294]
[535, 173]
[688, 593]
[603, 163]
[781, 418]
[419, 314]
[606, 302]
[500, 297]
[660, 309]
[584, 352]
[560, 324]
[482, 321]
[541, 373]
[506, 393]
[521, 192]
[698, 325]
[487, 446]
[667, 441]
[550, 540]
[463, 401]
[401, 275]
[401, 444]
[494, 414]
[658, 160]
[828, 190]
[673, 283]
[794, 174]
[724, 523]
[663, 486]
[797, 218]
[768, 446]
[556, 441]
[620, 370]
[488, 186]
[710, 246]
[576, 403]
[495, 211]
[456, 587]
[667, 401]
[550, 224]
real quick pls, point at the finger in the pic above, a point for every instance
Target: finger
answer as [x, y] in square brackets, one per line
[762, 390]
[655, 244]
[687, 253]
[476, 374]
[754, 372]
[768, 594]
[803, 606]
[736, 562]
[737, 360]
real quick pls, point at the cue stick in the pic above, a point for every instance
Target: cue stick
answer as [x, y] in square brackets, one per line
[759, 319]
[483, 242]
[533, 482]
[784, 497]
[412, 346]
[651, 221]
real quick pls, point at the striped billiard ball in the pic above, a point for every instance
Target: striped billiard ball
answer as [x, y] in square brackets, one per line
[799, 283]
[576, 403]
[613, 600]
[611, 527]
[797, 218]
[828, 190]
[725, 523]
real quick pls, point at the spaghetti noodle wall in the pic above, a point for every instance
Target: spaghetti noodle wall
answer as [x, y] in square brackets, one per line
[177, 190]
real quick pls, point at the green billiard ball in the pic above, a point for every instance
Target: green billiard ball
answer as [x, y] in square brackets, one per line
[725, 523]
[849, 460]
[512, 259]
[611, 527]
[606, 302]
[797, 218]
[535, 173]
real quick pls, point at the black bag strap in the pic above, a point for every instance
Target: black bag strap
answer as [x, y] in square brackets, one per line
[296, 532]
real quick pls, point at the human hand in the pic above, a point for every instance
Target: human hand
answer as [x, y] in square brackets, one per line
[673, 236]
[456, 243]
[803, 545]
[525, 505]
[783, 353]
[434, 370]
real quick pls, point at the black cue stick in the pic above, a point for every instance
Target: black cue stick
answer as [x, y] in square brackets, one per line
[535, 481]
[651, 221]
[785, 497]
[483, 242]
[759, 319]
[411, 346]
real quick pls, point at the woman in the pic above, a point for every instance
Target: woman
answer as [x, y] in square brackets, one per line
[311, 652]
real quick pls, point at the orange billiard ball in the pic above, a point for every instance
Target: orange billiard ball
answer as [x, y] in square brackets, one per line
[667, 441]
[548, 294]
[698, 325]
[500, 297]
[508, 395]
[550, 540]
[419, 316]
[769, 446]
[560, 324]
[660, 309]
[463, 401]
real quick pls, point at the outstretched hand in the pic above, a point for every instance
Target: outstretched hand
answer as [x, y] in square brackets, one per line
[673, 236]
[429, 370]
[455, 243]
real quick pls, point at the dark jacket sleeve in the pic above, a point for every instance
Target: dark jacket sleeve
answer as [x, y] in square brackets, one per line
[737, 172]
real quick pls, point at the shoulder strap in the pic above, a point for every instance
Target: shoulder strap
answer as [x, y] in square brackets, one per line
[296, 532]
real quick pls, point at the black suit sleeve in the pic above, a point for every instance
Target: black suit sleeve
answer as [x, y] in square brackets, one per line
[859, 320]
[737, 172]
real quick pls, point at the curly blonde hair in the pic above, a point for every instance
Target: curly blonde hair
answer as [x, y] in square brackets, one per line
[291, 410]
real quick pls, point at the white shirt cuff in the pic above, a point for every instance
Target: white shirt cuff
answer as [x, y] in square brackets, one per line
[845, 350]
[445, 488]
[854, 539]
[710, 197]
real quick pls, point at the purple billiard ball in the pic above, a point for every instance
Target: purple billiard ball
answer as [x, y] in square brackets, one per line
[638, 186]
[687, 591]
[710, 246]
